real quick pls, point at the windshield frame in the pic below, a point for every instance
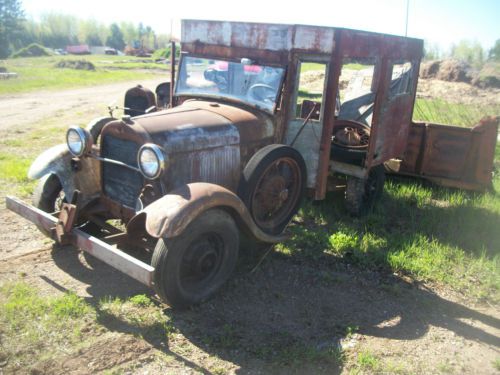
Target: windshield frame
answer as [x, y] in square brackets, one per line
[230, 98]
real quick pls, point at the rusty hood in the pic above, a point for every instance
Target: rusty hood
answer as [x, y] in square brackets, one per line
[196, 117]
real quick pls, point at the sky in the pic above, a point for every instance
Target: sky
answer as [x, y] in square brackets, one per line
[440, 22]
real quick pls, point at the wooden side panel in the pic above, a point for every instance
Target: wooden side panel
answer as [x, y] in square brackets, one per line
[452, 156]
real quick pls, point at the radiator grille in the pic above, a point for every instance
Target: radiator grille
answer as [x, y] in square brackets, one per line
[120, 183]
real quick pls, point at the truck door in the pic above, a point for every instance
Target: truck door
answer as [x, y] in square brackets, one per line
[393, 111]
[304, 129]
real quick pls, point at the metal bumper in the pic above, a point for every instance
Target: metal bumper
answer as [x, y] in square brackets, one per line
[110, 255]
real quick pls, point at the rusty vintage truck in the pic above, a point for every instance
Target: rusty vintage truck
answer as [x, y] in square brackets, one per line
[260, 116]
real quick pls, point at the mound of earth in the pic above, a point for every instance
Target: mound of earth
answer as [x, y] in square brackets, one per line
[447, 70]
[489, 76]
[75, 64]
[33, 50]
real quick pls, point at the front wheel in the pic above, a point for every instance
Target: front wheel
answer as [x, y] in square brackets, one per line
[48, 196]
[191, 267]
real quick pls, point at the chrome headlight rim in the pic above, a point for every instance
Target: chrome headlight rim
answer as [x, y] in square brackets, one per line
[160, 158]
[85, 139]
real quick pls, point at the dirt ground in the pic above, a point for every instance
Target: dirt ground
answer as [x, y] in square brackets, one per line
[411, 328]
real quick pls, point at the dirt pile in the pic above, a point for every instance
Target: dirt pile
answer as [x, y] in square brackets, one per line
[460, 71]
[447, 70]
[75, 64]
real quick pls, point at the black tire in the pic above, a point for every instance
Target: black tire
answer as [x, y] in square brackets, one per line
[48, 196]
[361, 195]
[272, 186]
[95, 126]
[181, 276]
[347, 155]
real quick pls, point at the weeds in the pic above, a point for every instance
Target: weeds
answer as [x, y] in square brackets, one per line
[428, 232]
[33, 322]
[439, 111]
[368, 362]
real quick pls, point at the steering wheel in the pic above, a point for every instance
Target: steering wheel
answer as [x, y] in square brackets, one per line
[261, 92]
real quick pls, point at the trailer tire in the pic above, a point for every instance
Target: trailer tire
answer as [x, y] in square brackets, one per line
[192, 266]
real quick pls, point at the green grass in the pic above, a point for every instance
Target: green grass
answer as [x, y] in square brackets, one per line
[368, 362]
[496, 364]
[427, 232]
[36, 327]
[442, 112]
[310, 66]
[39, 73]
[30, 321]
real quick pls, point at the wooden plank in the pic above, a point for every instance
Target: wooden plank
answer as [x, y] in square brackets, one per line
[114, 257]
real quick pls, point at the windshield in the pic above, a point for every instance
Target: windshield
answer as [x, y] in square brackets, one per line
[257, 85]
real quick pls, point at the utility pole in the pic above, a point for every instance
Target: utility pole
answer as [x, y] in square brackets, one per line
[407, 12]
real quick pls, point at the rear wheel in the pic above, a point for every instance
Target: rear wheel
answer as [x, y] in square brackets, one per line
[191, 267]
[361, 194]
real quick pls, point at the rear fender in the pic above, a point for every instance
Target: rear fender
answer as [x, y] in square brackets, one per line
[57, 160]
[170, 215]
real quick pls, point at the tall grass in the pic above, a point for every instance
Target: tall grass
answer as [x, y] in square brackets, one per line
[442, 112]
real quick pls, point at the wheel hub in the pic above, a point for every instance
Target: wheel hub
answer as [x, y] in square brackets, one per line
[283, 195]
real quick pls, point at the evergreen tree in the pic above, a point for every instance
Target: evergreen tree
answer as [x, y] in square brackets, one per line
[494, 53]
[11, 24]
[115, 40]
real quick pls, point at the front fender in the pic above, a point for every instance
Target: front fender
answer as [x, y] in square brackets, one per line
[57, 160]
[170, 215]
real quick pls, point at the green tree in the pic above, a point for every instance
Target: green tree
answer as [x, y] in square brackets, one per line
[11, 24]
[494, 53]
[115, 39]
[471, 52]
[432, 51]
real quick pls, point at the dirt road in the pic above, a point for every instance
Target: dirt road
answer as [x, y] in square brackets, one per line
[26, 109]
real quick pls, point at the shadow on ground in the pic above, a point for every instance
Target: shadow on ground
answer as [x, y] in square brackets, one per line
[285, 316]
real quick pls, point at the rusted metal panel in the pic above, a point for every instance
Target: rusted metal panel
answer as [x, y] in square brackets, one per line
[452, 156]
[364, 44]
[330, 100]
[258, 36]
[116, 258]
[171, 214]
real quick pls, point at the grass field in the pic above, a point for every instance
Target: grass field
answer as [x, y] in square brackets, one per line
[442, 112]
[40, 73]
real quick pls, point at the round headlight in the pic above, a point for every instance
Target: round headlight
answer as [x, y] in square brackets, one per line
[151, 160]
[79, 141]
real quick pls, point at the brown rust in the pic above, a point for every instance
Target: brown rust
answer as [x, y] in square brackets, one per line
[170, 215]
[452, 156]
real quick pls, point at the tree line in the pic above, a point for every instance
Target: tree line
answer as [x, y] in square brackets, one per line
[56, 31]
[466, 50]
